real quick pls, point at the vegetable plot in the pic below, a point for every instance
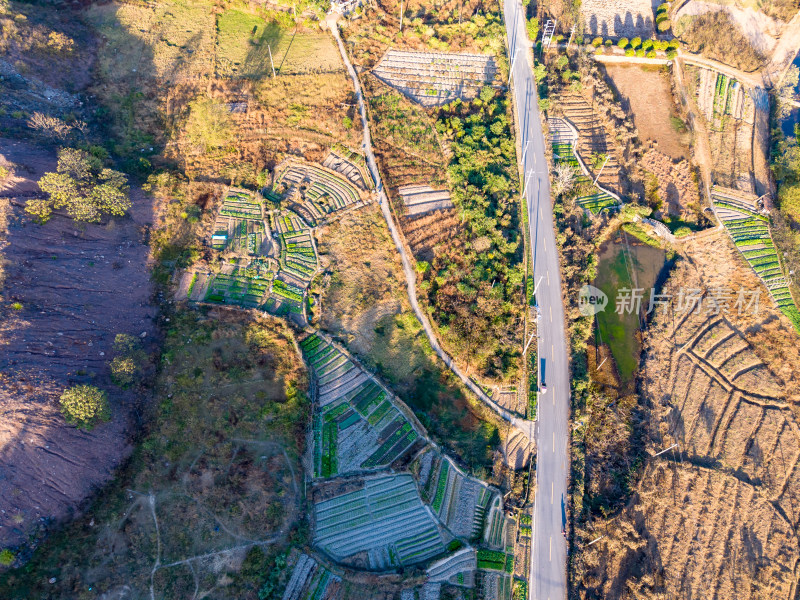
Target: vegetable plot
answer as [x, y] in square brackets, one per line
[356, 424]
[321, 192]
[458, 500]
[749, 231]
[240, 225]
[385, 519]
[242, 286]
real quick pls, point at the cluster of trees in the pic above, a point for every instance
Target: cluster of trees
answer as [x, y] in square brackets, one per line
[475, 290]
[83, 187]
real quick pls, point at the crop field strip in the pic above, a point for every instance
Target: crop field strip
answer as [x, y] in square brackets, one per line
[322, 192]
[462, 562]
[298, 255]
[243, 286]
[422, 199]
[356, 425]
[750, 233]
[386, 519]
[720, 95]
[433, 78]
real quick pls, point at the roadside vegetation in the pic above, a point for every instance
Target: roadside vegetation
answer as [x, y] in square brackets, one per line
[475, 291]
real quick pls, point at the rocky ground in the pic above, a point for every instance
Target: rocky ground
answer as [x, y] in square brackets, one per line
[68, 289]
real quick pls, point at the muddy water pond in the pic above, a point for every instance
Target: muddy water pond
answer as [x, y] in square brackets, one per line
[626, 263]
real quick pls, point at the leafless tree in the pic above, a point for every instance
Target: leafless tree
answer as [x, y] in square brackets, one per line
[48, 126]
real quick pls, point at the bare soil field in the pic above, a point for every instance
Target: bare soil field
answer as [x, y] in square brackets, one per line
[718, 517]
[68, 290]
[647, 93]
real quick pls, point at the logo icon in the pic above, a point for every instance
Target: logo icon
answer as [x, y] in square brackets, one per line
[591, 301]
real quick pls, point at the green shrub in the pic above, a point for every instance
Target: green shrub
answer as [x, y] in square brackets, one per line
[599, 50]
[623, 43]
[663, 8]
[597, 42]
[83, 187]
[6, 557]
[347, 122]
[640, 53]
[651, 54]
[647, 45]
[85, 406]
[674, 44]
[664, 26]
[533, 28]
[661, 44]
[682, 231]
[4, 172]
[671, 54]
[636, 42]
[608, 43]
[629, 52]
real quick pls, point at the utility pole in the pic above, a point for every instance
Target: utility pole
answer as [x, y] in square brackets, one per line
[270, 60]
[513, 61]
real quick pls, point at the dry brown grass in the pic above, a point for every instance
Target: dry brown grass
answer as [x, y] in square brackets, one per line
[715, 35]
[719, 518]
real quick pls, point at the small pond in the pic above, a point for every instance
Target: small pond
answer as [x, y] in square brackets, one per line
[624, 262]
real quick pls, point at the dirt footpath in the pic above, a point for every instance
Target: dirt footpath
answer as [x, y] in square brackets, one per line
[68, 290]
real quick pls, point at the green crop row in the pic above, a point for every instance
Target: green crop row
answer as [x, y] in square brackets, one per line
[441, 486]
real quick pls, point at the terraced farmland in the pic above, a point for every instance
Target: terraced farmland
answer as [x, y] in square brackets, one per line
[310, 581]
[457, 569]
[385, 523]
[318, 191]
[435, 78]
[241, 286]
[458, 500]
[350, 164]
[735, 484]
[422, 199]
[299, 255]
[749, 231]
[356, 424]
[240, 225]
[285, 298]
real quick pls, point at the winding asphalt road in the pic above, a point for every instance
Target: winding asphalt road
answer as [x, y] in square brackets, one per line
[548, 576]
